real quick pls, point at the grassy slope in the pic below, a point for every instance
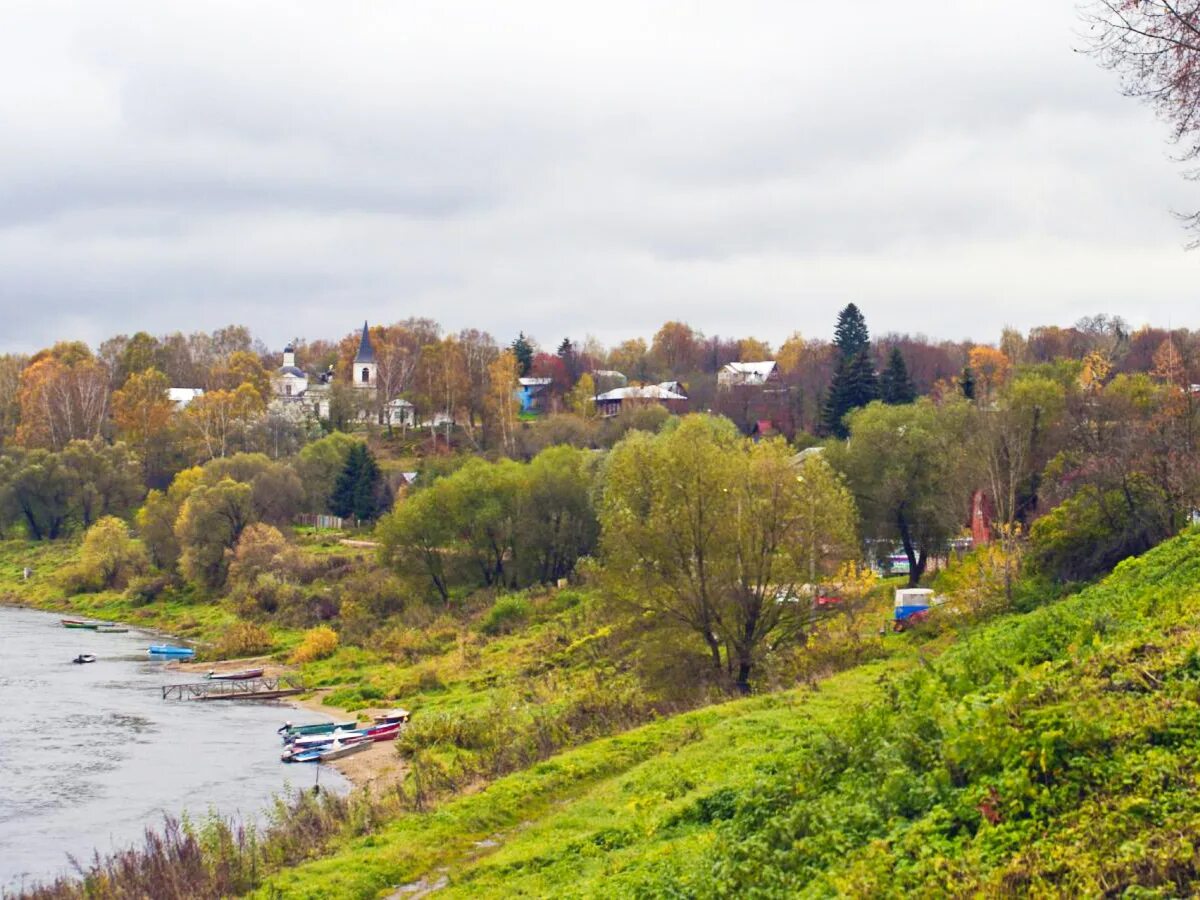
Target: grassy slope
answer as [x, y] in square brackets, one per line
[591, 798]
[1054, 753]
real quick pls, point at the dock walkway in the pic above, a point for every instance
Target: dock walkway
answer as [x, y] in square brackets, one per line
[266, 688]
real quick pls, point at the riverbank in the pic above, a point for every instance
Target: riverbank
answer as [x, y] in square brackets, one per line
[378, 769]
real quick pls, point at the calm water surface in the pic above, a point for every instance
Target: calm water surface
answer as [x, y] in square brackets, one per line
[90, 754]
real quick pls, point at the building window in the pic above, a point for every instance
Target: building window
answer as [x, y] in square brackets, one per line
[287, 389]
[366, 375]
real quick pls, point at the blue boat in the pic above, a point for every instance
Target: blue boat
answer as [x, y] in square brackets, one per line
[168, 650]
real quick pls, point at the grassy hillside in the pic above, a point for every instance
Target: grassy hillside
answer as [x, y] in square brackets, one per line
[1052, 753]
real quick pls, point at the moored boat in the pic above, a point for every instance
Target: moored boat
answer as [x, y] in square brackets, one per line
[384, 732]
[323, 740]
[79, 623]
[299, 756]
[290, 731]
[84, 658]
[243, 675]
[169, 650]
[111, 629]
[394, 717]
[340, 749]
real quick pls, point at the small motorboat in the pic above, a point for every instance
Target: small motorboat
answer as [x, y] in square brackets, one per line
[243, 675]
[299, 756]
[169, 650]
[111, 629]
[340, 749]
[84, 658]
[324, 740]
[290, 731]
[79, 623]
[395, 717]
[384, 732]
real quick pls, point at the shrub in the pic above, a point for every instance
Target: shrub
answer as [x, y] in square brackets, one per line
[318, 643]
[147, 589]
[242, 639]
[506, 614]
[110, 558]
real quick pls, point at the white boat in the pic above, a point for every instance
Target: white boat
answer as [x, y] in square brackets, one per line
[339, 749]
[321, 740]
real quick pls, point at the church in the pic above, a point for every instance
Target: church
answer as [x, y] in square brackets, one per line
[301, 394]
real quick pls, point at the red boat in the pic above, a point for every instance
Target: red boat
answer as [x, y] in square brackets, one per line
[384, 732]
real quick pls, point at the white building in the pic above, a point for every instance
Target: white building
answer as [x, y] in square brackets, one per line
[750, 374]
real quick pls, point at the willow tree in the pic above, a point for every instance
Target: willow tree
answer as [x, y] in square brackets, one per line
[719, 535]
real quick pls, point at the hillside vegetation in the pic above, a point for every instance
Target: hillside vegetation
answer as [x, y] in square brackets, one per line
[1052, 753]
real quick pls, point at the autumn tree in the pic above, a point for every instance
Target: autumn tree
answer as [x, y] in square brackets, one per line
[242, 368]
[103, 480]
[632, 359]
[63, 397]
[11, 366]
[319, 465]
[144, 414]
[37, 493]
[1154, 48]
[675, 349]
[155, 523]
[753, 350]
[502, 405]
[216, 419]
[581, 399]
[109, 557]
[990, 368]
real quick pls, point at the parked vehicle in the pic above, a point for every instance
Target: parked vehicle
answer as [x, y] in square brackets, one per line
[911, 606]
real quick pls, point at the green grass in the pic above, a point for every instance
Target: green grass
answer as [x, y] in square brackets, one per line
[1053, 753]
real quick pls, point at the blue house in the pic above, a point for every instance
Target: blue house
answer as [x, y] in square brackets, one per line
[533, 393]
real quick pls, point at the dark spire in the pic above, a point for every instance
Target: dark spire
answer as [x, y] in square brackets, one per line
[366, 353]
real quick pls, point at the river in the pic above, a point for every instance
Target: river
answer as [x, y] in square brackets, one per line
[90, 755]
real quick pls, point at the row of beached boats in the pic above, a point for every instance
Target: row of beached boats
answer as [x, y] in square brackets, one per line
[159, 651]
[333, 740]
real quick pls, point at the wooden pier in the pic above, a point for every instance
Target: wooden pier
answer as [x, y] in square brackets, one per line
[268, 688]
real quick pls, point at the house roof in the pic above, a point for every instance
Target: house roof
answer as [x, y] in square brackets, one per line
[649, 392]
[761, 369]
[399, 403]
[534, 382]
[366, 353]
[184, 396]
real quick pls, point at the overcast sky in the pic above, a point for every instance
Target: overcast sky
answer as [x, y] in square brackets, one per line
[571, 168]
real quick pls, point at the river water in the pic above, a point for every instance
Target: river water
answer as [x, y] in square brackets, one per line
[90, 755]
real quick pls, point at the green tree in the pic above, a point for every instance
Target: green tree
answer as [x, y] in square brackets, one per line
[558, 522]
[320, 465]
[210, 522]
[156, 526]
[912, 469]
[523, 350]
[38, 494]
[417, 535]
[360, 490]
[104, 480]
[715, 533]
[854, 383]
[895, 386]
[276, 491]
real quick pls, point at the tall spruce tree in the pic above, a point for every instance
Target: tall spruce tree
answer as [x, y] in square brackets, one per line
[854, 381]
[523, 351]
[360, 491]
[895, 387]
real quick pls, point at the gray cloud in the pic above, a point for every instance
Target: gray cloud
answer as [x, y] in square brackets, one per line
[298, 166]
